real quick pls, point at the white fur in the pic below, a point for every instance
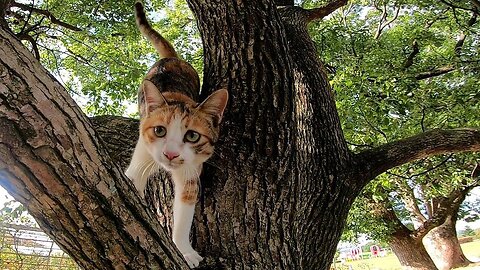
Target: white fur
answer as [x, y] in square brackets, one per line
[182, 221]
[147, 159]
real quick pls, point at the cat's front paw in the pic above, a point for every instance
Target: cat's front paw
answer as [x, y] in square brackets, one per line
[192, 258]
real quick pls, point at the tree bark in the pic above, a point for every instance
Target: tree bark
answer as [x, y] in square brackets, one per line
[443, 246]
[410, 251]
[442, 243]
[276, 194]
[407, 247]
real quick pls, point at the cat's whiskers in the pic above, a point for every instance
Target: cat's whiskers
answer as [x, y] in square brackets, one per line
[211, 163]
[147, 168]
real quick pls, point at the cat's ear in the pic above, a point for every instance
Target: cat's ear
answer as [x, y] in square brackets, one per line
[215, 104]
[153, 97]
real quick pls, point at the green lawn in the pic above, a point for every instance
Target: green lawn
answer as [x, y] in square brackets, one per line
[390, 262]
[472, 250]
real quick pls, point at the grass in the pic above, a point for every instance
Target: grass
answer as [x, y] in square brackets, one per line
[472, 250]
[390, 262]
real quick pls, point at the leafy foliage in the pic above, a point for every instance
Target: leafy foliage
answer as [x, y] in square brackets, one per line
[410, 76]
[103, 63]
[13, 212]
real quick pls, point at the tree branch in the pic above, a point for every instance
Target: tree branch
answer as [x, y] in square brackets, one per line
[475, 10]
[476, 3]
[409, 62]
[476, 172]
[378, 160]
[444, 207]
[383, 210]
[119, 144]
[32, 41]
[4, 4]
[463, 35]
[440, 16]
[47, 14]
[408, 197]
[434, 73]
[321, 12]
[382, 25]
[53, 162]
[424, 172]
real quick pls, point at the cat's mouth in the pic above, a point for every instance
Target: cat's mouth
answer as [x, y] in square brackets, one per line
[172, 165]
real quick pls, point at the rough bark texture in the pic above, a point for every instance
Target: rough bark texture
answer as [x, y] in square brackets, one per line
[409, 249]
[276, 194]
[387, 156]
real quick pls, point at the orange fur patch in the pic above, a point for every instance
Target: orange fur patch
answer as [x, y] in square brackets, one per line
[190, 192]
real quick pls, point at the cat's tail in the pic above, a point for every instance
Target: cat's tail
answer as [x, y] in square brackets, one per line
[163, 47]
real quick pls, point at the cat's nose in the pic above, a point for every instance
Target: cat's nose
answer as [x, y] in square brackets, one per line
[171, 155]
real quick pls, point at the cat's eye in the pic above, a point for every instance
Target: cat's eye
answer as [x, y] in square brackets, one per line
[192, 136]
[160, 131]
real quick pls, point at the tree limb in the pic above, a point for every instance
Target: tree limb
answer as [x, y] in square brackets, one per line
[408, 197]
[440, 16]
[463, 35]
[474, 2]
[119, 144]
[375, 161]
[444, 207]
[32, 42]
[476, 172]
[321, 12]
[381, 25]
[383, 210]
[409, 62]
[425, 171]
[434, 73]
[47, 14]
[4, 4]
[53, 162]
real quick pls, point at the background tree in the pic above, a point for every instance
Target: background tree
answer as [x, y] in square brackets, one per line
[405, 214]
[283, 150]
[396, 69]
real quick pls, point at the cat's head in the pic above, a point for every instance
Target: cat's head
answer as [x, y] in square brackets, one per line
[179, 133]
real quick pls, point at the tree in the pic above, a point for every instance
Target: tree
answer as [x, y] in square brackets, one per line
[421, 208]
[282, 185]
[394, 71]
[434, 210]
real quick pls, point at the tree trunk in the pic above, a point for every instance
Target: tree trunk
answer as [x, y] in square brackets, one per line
[276, 195]
[440, 238]
[443, 246]
[289, 160]
[407, 247]
[410, 251]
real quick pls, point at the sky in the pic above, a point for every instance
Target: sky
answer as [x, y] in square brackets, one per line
[4, 197]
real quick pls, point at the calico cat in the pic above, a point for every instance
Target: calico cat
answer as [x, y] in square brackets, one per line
[177, 134]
